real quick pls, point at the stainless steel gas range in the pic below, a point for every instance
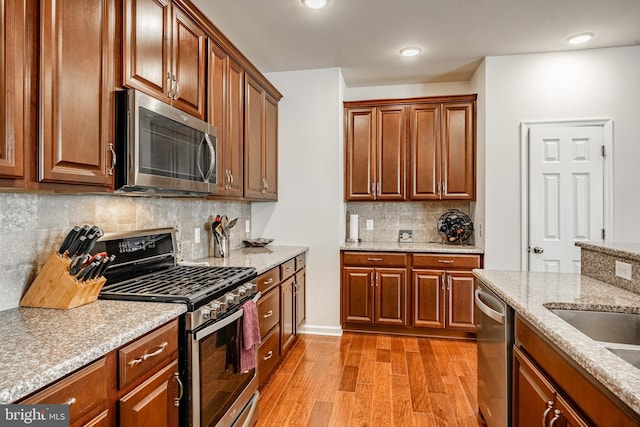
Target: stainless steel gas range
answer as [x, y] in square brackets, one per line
[218, 392]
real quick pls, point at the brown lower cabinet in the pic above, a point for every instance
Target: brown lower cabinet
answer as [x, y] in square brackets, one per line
[281, 311]
[424, 294]
[551, 390]
[124, 385]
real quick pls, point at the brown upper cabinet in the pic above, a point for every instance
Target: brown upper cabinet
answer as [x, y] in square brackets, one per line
[260, 142]
[12, 83]
[76, 87]
[410, 149]
[226, 113]
[165, 54]
[375, 153]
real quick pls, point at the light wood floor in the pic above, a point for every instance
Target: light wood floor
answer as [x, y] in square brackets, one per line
[372, 380]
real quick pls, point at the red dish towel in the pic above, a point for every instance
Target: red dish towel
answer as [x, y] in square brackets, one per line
[250, 336]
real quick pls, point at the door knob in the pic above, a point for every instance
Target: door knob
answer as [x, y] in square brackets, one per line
[538, 250]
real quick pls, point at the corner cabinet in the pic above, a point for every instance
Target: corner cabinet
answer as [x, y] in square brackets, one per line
[419, 294]
[164, 54]
[260, 142]
[77, 50]
[410, 149]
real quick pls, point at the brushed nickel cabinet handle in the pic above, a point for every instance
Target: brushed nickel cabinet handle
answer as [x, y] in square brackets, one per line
[169, 85]
[268, 314]
[446, 261]
[546, 413]
[556, 417]
[145, 356]
[268, 282]
[176, 401]
[374, 259]
[113, 159]
[71, 401]
[268, 356]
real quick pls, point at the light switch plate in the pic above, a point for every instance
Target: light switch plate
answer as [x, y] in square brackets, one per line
[369, 224]
[247, 226]
[623, 270]
[196, 235]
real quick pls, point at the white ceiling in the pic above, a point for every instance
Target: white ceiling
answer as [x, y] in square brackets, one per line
[363, 37]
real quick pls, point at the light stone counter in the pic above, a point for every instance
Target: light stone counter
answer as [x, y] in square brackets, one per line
[411, 247]
[530, 294]
[263, 259]
[38, 345]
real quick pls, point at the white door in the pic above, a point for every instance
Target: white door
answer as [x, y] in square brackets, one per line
[566, 195]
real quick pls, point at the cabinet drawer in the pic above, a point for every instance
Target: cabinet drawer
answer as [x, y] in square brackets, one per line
[287, 269]
[268, 354]
[147, 353]
[301, 261]
[85, 391]
[268, 280]
[375, 259]
[268, 311]
[446, 261]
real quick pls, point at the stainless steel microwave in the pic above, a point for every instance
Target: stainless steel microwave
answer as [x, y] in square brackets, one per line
[161, 150]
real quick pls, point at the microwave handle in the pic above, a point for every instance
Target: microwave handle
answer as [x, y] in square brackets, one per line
[204, 177]
[212, 155]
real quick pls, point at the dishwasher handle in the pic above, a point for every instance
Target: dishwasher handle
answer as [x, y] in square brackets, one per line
[495, 315]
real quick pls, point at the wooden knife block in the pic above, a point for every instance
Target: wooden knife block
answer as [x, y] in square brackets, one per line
[54, 287]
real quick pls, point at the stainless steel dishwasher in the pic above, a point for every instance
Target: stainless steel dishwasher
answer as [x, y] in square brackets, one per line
[495, 344]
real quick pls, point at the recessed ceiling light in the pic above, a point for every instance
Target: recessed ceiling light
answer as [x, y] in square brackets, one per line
[580, 38]
[315, 4]
[410, 51]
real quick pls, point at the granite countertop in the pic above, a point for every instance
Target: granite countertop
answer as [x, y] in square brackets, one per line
[624, 250]
[530, 294]
[434, 247]
[41, 345]
[263, 259]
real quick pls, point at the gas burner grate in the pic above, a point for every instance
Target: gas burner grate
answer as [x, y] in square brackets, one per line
[182, 283]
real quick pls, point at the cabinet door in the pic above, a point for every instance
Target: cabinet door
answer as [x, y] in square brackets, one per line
[360, 153]
[429, 299]
[152, 403]
[424, 165]
[287, 320]
[146, 65]
[226, 113]
[189, 41]
[270, 149]
[76, 84]
[461, 306]
[533, 395]
[301, 307]
[391, 153]
[357, 294]
[458, 151]
[390, 296]
[254, 130]
[12, 86]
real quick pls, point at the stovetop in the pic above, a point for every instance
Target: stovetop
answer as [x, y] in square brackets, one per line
[193, 285]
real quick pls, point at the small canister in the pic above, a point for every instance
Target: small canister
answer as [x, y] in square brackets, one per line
[221, 247]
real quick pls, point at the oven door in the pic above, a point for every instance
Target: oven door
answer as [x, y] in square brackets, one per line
[221, 395]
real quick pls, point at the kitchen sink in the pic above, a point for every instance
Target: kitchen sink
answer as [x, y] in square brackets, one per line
[604, 326]
[630, 355]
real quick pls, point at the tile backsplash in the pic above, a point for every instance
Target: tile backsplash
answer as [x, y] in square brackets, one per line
[391, 217]
[33, 225]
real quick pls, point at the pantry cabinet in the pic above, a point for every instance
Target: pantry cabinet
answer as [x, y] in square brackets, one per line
[164, 54]
[75, 137]
[375, 151]
[12, 86]
[226, 112]
[410, 149]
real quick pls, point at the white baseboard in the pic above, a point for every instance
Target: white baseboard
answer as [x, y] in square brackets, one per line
[334, 331]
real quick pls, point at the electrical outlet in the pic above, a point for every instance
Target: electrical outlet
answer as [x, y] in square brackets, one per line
[480, 232]
[623, 270]
[196, 235]
[247, 226]
[369, 224]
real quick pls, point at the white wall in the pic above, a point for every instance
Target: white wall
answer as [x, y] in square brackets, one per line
[599, 83]
[478, 85]
[407, 91]
[310, 204]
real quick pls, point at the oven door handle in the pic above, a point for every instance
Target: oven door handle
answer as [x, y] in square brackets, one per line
[198, 335]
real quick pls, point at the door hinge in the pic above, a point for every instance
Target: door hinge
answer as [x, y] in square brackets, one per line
[604, 151]
[603, 234]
